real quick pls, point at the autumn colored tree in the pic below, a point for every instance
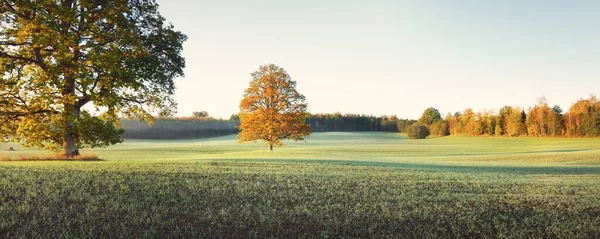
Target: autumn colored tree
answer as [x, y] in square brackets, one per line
[583, 118]
[470, 122]
[516, 122]
[498, 126]
[272, 110]
[58, 56]
[439, 128]
[453, 123]
[544, 121]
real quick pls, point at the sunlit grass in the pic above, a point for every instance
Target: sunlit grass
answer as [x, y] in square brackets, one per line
[332, 185]
[363, 147]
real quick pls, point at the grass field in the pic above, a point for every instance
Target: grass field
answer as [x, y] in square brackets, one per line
[334, 185]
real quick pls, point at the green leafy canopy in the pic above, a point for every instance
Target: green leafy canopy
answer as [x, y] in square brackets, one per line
[57, 56]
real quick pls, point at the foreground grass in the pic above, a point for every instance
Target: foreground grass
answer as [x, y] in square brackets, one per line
[382, 186]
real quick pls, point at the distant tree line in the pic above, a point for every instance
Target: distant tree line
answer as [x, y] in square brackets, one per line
[581, 120]
[541, 120]
[179, 128]
[354, 122]
[200, 125]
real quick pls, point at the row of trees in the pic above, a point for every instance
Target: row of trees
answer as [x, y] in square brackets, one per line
[206, 126]
[355, 122]
[541, 120]
[200, 125]
[178, 128]
[583, 118]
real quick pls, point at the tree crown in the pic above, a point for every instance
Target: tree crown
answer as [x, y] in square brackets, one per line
[57, 56]
[272, 110]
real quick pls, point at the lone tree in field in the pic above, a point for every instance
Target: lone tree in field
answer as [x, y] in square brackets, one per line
[272, 110]
[58, 56]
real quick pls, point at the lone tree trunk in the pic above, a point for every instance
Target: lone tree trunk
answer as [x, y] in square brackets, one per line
[72, 110]
[270, 147]
[71, 135]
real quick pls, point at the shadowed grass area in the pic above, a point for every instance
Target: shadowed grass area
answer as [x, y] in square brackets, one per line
[435, 167]
[84, 157]
[334, 185]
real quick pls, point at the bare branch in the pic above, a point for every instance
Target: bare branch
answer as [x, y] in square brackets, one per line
[6, 55]
[18, 114]
[9, 43]
[40, 59]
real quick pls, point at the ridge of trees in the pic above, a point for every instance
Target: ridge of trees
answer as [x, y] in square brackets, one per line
[581, 120]
[178, 128]
[194, 127]
[356, 122]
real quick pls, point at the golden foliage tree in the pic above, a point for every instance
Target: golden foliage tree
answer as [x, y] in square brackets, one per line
[583, 118]
[272, 110]
[544, 121]
[516, 123]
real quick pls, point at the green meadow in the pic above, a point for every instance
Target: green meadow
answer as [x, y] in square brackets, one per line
[332, 185]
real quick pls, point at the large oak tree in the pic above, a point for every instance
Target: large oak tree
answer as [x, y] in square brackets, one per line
[56, 56]
[272, 110]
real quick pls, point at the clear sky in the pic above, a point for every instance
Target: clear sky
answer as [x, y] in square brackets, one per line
[390, 57]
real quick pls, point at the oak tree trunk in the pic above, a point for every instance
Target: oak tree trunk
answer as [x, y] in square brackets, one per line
[70, 148]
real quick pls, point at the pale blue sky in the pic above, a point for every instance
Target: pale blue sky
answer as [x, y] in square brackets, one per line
[390, 57]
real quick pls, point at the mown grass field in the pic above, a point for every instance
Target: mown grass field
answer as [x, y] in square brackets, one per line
[334, 185]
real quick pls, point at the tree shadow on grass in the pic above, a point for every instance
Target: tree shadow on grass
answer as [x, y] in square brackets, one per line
[553, 151]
